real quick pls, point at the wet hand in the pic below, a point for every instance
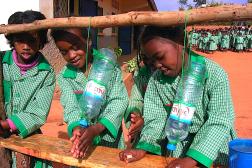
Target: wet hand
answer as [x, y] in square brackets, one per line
[131, 155]
[75, 140]
[182, 163]
[137, 122]
[85, 140]
[76, 134]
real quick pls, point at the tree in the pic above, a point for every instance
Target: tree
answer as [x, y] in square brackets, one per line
[214, 3]
[182, 3]
[199, 2]
[181, 8]
[189, 6]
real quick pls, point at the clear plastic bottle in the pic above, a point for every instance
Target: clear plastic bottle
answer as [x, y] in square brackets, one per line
[98, 78]
[187, 96]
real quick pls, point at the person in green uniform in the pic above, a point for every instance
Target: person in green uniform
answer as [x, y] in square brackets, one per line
[250, 40]
[194, 38]
[246, 39]
[200, 41]
[225, 41]
[219, 38]
[28, 82]
[239, 42]
[205, 42]
[134, 112]
[232, 38]
[213, 41]
[213, 122]
[72, 80]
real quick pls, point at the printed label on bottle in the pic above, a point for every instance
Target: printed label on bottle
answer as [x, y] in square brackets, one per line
[182, 112]
[95, 89]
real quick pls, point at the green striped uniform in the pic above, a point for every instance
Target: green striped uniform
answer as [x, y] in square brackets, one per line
[72, 81]
[212, 124]
[141, 78]
[27, 97]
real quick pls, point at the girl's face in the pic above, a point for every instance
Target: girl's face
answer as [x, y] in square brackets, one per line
[26, 46]
[165, 55]
[72, 48]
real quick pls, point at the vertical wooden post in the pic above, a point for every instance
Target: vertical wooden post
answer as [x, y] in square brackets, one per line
[2, 111]
[5, 154]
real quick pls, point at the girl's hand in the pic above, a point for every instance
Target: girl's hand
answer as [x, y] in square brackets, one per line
[4, 128]
[137, 122]
[86, 139]
[182, 163]
[131, 155]
[76, 134]
[75, 140]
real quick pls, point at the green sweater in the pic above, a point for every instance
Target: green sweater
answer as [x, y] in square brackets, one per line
[72, 81]
[212, 124]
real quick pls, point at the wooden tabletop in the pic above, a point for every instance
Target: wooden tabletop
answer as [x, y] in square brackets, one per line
[58, 150]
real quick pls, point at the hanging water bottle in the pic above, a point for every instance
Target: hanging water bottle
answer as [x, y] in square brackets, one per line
[187, 96]
[98, 78]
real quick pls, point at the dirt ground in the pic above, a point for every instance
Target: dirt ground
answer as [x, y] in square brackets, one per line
[239, 68]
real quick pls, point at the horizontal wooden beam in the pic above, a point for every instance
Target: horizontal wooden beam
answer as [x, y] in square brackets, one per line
[209, 14]
[58, 150]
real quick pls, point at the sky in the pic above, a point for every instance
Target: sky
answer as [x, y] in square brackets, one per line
[8, 7]
[171, 5]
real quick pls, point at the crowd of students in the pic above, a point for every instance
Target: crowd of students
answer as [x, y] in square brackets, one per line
[29, 82]
[234, 38]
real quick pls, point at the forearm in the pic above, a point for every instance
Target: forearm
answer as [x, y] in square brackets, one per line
[98, 128]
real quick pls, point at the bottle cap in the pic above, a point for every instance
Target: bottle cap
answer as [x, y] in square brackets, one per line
[171, 147]
[83, 123]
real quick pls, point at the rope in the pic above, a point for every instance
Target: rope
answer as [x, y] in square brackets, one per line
[183, 56]
[87, 45]
[97, 39]
[184, 49]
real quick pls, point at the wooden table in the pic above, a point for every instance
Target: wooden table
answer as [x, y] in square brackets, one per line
[58, 150]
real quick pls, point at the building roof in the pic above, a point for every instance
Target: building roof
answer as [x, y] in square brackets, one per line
[153, 5]
[139, 5]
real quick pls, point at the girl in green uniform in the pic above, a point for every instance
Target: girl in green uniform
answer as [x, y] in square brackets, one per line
[225, 41]
[29, 83]
[213, 41]
[239, 42]
[73, 44]
[213, 122]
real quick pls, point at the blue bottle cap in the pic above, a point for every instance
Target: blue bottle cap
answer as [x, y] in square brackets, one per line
[171, 147]
[83, 123]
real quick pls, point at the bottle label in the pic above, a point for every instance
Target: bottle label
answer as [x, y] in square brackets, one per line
[95, 89]
[182, 112]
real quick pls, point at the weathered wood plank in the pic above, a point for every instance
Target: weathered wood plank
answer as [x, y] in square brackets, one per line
[58, 150]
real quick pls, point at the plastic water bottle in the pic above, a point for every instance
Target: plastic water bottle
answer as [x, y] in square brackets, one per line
[99, 76]
[187, 96]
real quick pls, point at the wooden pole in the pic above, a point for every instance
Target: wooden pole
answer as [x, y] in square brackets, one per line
[5, 154]
[209, 14]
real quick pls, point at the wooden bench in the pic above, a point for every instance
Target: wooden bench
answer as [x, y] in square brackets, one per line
[58, 150]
